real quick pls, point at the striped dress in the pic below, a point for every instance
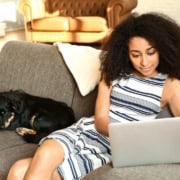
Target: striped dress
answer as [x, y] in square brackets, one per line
[132, 99]
[136, 99]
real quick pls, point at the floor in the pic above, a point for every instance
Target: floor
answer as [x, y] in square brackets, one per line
[12, 35]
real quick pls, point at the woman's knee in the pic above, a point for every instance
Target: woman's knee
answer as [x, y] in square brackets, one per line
[52, 149]
[47, 158]
[18, 169]
[49, 151]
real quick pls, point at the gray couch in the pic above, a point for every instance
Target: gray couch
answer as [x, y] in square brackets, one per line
[39, 69]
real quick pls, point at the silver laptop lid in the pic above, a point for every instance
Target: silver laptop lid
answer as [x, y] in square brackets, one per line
[145, 142]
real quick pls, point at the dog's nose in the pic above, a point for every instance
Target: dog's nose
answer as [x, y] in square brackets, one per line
[2, 127]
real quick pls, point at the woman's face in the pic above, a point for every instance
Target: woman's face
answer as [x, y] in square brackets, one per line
[144, 57]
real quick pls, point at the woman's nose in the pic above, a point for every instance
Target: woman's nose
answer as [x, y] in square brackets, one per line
[144, 60]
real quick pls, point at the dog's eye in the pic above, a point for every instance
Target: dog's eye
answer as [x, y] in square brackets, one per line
[2, 112]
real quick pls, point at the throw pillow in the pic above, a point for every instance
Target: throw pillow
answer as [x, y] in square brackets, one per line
[84, 64]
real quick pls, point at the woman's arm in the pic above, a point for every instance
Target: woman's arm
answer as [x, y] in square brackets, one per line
[102, 108]
[173, 94]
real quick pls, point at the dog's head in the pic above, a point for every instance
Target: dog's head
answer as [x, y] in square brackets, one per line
[6, 113]
[9, 110]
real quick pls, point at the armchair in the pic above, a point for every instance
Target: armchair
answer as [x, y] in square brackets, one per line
[72, 21]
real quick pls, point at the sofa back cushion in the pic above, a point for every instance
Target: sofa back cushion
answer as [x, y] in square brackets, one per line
[39, 69]
[77, 7]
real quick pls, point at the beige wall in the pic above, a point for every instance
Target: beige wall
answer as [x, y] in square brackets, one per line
[169, 7]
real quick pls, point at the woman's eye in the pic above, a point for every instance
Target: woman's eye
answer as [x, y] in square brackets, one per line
[151, 52]
[135, 55]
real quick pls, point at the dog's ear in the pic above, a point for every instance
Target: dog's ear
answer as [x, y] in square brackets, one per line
[16, 100]
[17, 106]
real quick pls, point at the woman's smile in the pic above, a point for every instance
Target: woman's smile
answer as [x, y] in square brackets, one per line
[144, 57]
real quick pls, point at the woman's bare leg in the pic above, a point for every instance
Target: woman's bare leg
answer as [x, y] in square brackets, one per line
[42, 166]
[19, 169]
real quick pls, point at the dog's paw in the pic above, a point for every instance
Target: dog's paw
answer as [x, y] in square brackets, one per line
[23, 131]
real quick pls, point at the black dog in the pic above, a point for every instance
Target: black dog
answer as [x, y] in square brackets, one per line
[33, 117]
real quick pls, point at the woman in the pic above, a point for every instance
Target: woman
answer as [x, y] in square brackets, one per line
[140, 75]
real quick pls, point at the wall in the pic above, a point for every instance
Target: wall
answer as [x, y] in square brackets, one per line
[169, 7]
[10, 15]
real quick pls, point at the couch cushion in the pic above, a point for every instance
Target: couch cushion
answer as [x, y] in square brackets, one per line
[37, 69]
[60, 23]
[151, 172]
[12, 148]
[88, 24]
[51, 24]
[77, 7]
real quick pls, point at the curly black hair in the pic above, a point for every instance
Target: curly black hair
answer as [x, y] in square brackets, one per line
[158, 29]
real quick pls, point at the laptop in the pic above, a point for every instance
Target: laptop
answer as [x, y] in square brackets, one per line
[148, 142]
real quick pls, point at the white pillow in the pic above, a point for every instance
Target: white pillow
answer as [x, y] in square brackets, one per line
[84, 64]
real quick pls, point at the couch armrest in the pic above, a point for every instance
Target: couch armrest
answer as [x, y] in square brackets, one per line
[118, 10]
[33, 9]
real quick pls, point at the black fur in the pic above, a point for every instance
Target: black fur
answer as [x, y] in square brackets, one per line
[33, 117]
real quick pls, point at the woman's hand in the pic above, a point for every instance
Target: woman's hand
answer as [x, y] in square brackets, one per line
[102, 108]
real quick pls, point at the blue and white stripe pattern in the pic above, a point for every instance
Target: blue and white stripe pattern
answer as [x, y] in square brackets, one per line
[135, 98]
[85, 149]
